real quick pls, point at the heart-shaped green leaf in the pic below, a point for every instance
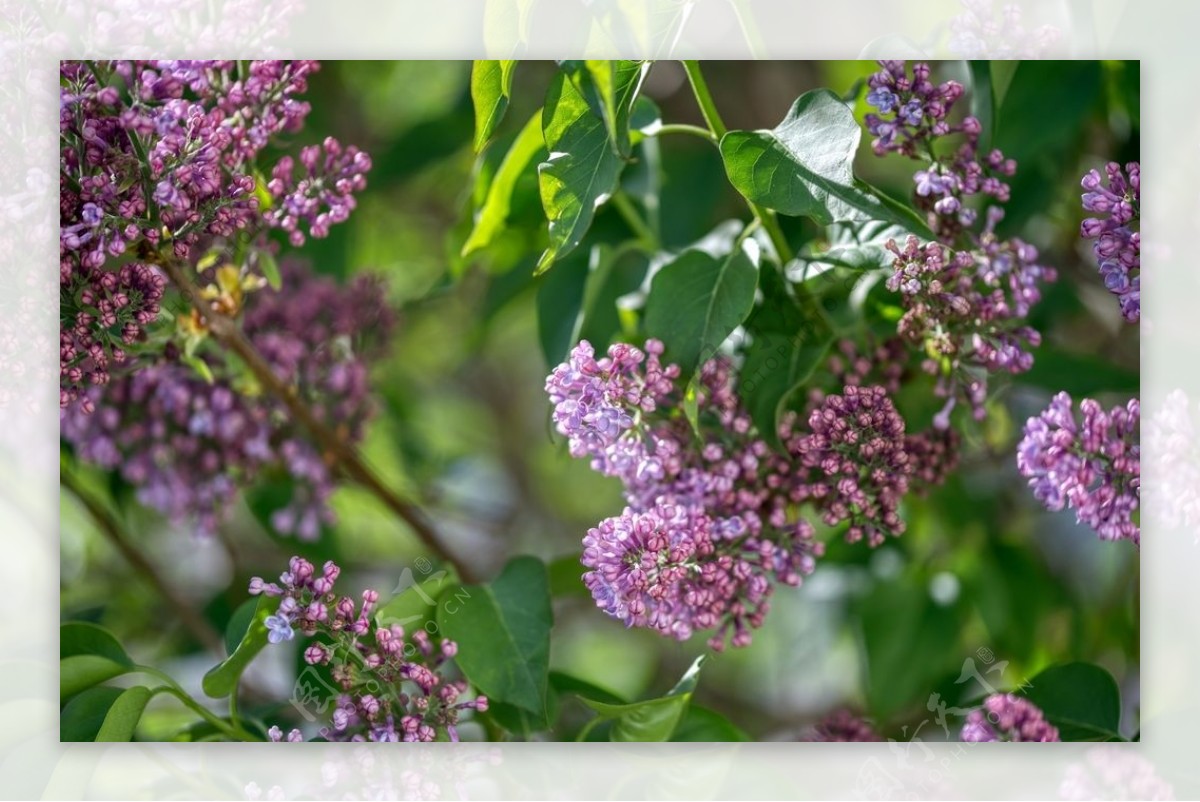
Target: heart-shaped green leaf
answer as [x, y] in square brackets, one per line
[804, 167]
[696, 301]
[503, 633]
[1081, 699]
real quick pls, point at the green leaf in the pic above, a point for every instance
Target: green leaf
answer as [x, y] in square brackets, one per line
[610, 88]
[270, 269]
[565, 683]
[858, 246]
[493, 215]
[417, 603]
[222, 679]
[89, 654]
[491, 88]
[695, 303]
[777, 365]
[124, 714]
[612, 273]
[559, 303]
[1081, 699]
[83, 717]
[804, 167]
[654, 719]
[82, 671]
[80, 638]
[566, 577]
[983, 101]
[503, 633]
[581, 172]
[239, 624]
[707, 726]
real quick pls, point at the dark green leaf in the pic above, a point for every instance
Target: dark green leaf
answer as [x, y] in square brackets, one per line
[239, 624]
[581, 171]
[804, 166]
[707, 726]
[559, 304]
[491, 87]
[222, 679]
[565, 683]
[83, 716]
[612, 273]
[695, 303]
[983, 101]
[493, 215]
[1081, 699]
[566, 577]
[81, 671]
[654, 719]
[124, 714]
[79, 637]
[777, 365]
[416, 604]
[503, 633]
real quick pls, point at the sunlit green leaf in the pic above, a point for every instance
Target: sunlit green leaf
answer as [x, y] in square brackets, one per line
[494, 213]
[491, 88]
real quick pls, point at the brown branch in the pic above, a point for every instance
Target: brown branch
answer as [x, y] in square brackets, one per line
[112, 530]
[227, 332]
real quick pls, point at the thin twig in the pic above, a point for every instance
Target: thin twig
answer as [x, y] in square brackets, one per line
[225, 331]
[114, 532]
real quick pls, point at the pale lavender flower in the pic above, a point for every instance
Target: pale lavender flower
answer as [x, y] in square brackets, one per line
[1118, 247]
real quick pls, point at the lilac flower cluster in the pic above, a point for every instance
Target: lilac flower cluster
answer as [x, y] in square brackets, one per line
[188, 444]
[1090, 465]
[857, 460]
[160, 157]
[393, 683]
[324, 195]
[102, 313]
[913, 112]
[967, 294]
[967, 311]
[707, 528]
[1117, 246]
[1007, 717]
[843, 726]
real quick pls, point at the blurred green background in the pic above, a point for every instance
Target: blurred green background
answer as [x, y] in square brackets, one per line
[982, 572]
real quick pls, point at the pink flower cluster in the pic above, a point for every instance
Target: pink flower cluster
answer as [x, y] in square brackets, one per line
[393, 683]
[1008, 717]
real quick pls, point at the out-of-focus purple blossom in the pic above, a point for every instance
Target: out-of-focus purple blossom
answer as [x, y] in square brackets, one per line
[1090, 465]
[322, 195]
[979, 32]
[188, 445]
[393, 684]
[843, 726]
[1008, 717]
[1118, 247]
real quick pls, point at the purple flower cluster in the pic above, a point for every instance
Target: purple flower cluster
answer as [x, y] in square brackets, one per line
[188, 444]
[392, 684]
[843, 726]
[160, 156]
[1117, 246]
[857, 463]
[1090, 465]
[967, 310]
[323, 195]
[102, 313]
[913, 112]
[708, 529]
[965, 296]
[1008, 717]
